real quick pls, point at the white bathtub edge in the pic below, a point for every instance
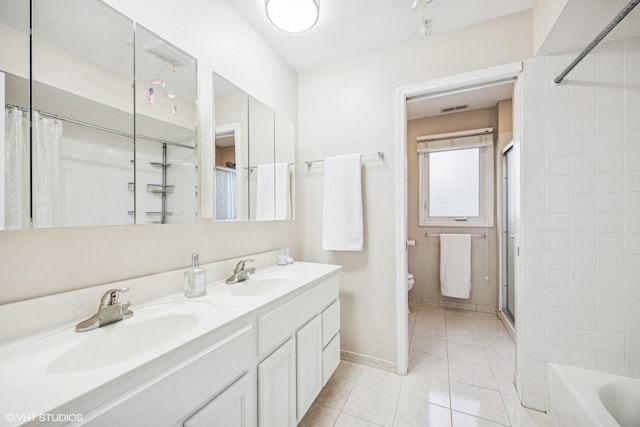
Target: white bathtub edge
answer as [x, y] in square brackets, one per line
[574, 396]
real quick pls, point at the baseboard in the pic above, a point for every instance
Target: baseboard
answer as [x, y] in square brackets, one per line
[363, 359]
[416, 301]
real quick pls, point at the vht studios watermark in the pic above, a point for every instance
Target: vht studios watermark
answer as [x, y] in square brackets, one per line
[48, 417]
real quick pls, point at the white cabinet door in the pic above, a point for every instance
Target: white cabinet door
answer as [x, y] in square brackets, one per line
[309, 363]
[277, 387]
[231, 408]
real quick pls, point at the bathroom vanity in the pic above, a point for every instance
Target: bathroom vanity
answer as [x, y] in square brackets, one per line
[253, 353]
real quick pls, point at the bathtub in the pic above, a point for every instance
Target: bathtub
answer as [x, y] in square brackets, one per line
[584, 398]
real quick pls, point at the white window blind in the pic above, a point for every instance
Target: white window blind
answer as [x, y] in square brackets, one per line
[455, 140]
[456, 178]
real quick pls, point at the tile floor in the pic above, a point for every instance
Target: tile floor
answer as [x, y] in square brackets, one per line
[461, 367]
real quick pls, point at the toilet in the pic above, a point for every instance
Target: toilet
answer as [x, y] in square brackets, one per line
[409, 287]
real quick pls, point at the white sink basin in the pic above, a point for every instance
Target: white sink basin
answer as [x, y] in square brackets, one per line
[258, 286]
[121, 341]
[151, 327]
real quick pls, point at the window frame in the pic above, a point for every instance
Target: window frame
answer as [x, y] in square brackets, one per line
[477, 138]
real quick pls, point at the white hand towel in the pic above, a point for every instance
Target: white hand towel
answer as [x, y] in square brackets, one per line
[282, 191]
[265, 192]
[342, 227]
[455, 265]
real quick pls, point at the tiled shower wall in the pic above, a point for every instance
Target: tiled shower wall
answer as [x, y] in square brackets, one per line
[581, 215]
[96, 172]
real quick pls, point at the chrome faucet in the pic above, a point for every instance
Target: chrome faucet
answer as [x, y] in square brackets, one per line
[110, 311]
[240, 273]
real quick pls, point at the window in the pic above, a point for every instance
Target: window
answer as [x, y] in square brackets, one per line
[456, 179]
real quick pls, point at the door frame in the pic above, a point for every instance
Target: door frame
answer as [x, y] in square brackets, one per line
[228, 129]
[431, 88]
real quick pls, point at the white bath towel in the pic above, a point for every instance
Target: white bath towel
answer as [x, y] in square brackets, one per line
[342, 227]
[265, 192]
[455, 265]
[282, 191]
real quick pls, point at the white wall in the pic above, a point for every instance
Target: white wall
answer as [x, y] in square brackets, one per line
[350, 107]
[563, 25]
[545, 15]
[581, 216]
[40, 262]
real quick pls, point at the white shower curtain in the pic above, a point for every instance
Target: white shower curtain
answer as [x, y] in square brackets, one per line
[47, 137]
[226, 198]
[16, 169]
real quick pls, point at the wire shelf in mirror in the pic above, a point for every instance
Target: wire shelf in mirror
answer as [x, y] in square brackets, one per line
[159, 188]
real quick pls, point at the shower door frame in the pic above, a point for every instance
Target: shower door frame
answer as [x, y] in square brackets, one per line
[432, 88]
[507, 317]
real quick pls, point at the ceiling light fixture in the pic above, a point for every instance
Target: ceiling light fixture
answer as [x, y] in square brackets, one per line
[293, 16]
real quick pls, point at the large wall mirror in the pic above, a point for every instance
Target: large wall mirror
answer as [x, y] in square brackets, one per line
[254, 157]
[80, 164]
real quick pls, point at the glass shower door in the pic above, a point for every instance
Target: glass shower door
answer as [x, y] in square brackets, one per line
[509, 234]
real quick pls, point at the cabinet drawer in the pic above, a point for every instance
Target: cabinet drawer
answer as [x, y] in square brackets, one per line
[330, 358]
[330, 322]
[276, 326]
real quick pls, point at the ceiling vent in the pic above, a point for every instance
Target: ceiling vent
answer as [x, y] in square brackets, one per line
[453, 109]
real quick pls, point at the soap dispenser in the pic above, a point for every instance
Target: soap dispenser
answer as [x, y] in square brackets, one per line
[195, 279]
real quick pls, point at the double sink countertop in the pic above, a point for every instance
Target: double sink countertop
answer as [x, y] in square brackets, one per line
[57, 370]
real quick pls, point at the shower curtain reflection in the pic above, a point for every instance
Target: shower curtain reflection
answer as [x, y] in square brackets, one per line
[16, 150]
[226, 198]
[47, 137]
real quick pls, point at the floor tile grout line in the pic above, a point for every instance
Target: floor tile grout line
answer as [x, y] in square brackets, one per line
[448, 368]
[395, 412]
[482, 340]
[511, 422]
[482, 418]
[504, 406]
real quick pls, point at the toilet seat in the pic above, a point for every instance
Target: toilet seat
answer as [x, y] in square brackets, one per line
[410, 281]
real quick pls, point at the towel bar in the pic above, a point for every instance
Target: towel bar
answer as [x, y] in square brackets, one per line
[481, 235]
[380, 155]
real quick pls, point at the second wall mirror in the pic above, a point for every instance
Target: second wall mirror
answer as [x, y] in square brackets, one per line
[254, 157]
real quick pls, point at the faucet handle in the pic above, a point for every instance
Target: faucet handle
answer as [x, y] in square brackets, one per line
[111, 296]
[240, 265]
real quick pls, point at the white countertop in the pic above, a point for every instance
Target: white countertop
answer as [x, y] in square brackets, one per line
[28, 387]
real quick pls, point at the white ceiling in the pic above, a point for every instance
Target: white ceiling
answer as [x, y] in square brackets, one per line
[348, 28]
[484, 97]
